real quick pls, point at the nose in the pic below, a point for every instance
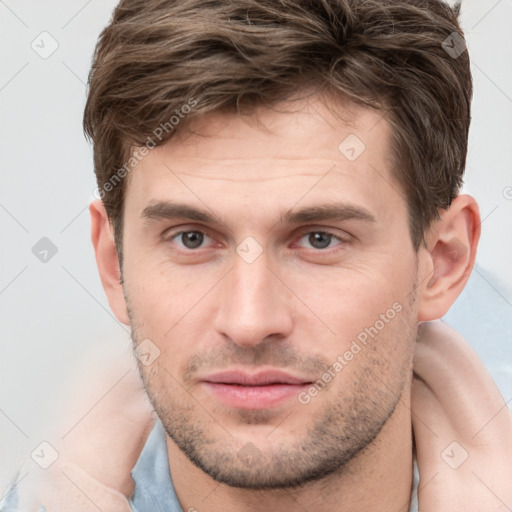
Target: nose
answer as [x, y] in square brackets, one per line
[254, 304]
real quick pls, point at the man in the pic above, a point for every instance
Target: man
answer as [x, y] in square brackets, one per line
[279, 214]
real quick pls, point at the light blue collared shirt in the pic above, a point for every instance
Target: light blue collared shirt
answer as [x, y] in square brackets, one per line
[154, 491]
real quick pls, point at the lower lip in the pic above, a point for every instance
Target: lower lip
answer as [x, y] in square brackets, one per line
[254, 397]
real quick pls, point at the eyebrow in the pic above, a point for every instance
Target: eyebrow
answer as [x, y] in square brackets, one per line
[166, 210]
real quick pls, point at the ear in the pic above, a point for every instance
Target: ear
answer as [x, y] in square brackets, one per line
[107, 260]
[449, 258]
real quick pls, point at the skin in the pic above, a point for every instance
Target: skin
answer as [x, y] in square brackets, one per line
[453, 398]
[208, 309]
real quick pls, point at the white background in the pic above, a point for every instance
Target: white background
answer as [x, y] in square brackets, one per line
[55, 313]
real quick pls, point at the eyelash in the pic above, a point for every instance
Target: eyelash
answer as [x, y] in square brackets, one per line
[341, 241]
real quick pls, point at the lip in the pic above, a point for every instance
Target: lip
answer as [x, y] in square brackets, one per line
[260, 390]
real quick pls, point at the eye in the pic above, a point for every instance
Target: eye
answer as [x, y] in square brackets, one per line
[321, 239]
[190, 239]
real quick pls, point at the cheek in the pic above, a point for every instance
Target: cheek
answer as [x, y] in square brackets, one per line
[168, 305]
[157, 288]
[350, 299]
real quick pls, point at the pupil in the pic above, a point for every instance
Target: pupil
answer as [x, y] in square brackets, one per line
[316, 240]
[192, 239]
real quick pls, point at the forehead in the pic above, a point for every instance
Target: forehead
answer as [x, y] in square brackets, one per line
[311, 127]
[274, 153]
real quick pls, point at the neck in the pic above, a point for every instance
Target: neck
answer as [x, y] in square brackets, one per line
[377, 479]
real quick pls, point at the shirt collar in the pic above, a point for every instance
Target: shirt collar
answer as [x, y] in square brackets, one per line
[154, 490]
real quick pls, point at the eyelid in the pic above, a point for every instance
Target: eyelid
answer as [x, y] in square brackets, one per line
[182, 228]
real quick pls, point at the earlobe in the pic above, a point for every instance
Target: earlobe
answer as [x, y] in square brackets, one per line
[450, 257]
[107, 260]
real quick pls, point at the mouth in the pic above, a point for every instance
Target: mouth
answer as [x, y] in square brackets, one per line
[260, 390]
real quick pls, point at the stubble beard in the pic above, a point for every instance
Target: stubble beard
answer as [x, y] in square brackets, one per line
[342, 428]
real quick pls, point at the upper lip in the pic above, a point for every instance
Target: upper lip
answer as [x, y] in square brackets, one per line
[260, 378]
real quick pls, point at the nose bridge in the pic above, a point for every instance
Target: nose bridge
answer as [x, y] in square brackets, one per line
[253, 305]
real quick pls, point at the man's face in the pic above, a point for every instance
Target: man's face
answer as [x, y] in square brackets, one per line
[284, 340]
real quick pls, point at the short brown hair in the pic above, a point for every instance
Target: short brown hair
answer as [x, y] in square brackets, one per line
[157, 56]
